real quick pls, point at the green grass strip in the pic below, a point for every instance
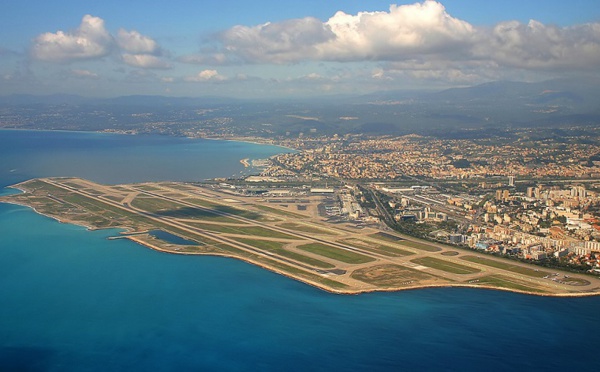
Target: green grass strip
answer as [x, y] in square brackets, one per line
[335, 253]
[508, 283]
[277, 248]
[305, 228]
[444, 265]
[279, 211]
[383, 249]
[506, 266]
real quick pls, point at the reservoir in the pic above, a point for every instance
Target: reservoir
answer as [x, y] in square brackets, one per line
[171, 238]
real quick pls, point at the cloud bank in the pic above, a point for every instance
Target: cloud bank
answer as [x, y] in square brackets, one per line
[406, 45]
[206, 75]
[420, 31]
[91, 40]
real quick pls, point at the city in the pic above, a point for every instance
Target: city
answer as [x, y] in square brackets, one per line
[538, 201]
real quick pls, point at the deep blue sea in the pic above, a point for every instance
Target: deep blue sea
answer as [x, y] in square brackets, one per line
[71, 300]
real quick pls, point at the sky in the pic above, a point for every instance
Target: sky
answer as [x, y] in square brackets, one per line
[270, 48]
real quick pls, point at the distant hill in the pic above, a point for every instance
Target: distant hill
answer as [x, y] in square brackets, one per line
[481, 110]
[30, 99]
[144, 100]
[496, 104]
[561, 92]
[135, 100]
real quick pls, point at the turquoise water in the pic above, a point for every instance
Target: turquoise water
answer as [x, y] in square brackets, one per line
[114, 158]
[71, 300]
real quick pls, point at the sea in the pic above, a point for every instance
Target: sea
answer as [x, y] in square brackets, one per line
[72, 300]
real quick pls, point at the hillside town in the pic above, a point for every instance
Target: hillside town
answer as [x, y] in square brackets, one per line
[542, 223]
[358, 157]
[535, 200]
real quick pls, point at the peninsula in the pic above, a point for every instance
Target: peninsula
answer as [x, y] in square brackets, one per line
[290, 237]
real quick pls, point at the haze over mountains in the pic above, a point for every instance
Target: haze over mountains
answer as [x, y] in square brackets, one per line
[486, 107]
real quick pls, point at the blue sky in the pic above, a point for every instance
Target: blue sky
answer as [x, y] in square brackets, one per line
[269, 48]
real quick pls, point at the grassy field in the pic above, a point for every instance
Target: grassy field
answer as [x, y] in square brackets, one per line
[506, 266]
[168, 208]
[202, 202]
[180, 186]
[173, 195]
[335, 253]
[227, 209]
[243, 230]
[74, 185]
[50, 189]
[264, 232]
[421, 246]
[291, 270]
[305, 228]
[502, 281]
[242, 213]
[404, 242]
[303, 274]
[444, 265]
[450, 253]
[115, 198]
[575, 281]
[93, 192]
[277, 247]
[155, 205]
[101, 215]
[383, 249]
[390, 275]
[279, 212]
[147, 188]
[226, 229]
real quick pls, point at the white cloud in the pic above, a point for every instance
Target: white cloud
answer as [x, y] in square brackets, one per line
[140, 51]
[212, 59]
[145, 61]
[415, 42]
[451, 73]
[136, 43]
[378, 73]
[84, 74]
[92, 41]
[89, 40]
[405, 33]
[206, 75]
[287, 41]
[538, 46]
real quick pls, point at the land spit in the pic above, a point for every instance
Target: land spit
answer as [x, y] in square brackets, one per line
[284, 238]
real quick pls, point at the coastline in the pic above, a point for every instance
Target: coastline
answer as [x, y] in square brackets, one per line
[357, 291]
[251, 140]
[135, 239]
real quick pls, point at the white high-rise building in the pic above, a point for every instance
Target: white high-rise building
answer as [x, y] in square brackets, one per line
[578, 191]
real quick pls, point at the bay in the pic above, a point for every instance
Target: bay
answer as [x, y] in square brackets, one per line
[71, 300]
[115, 158]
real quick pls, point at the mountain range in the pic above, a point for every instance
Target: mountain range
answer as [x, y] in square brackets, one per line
[487, 107]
